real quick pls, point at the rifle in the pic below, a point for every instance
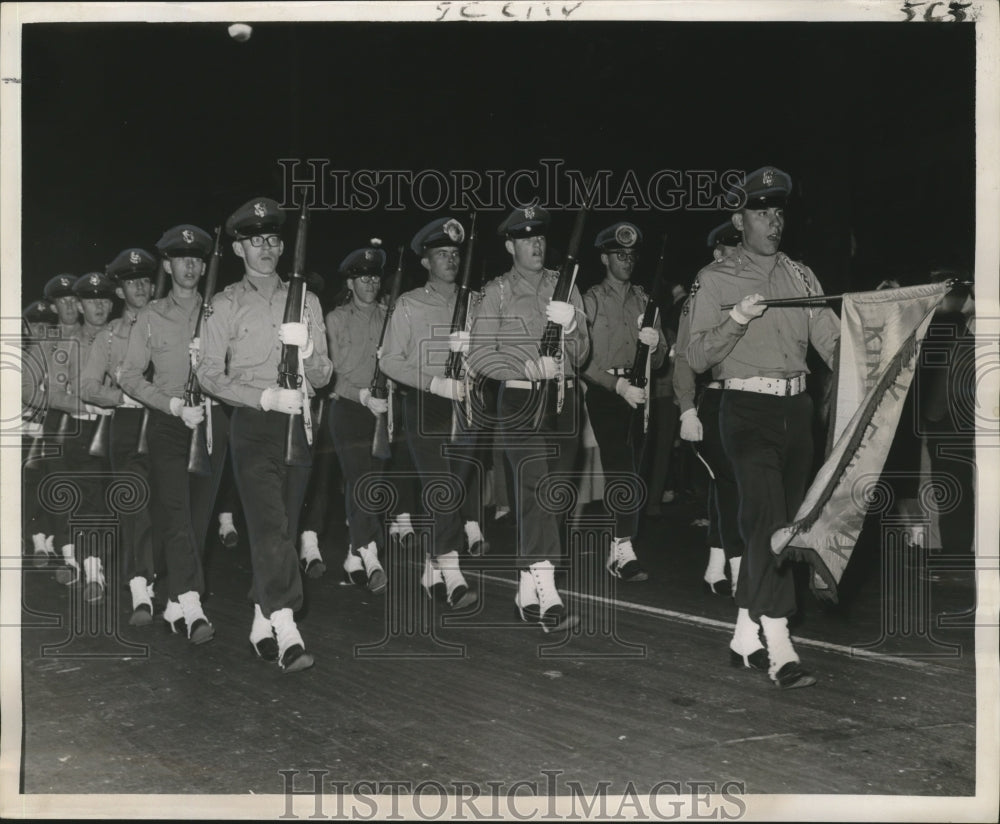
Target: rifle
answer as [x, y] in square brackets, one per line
[639, 376]
[551, 343]
[200, 450]
[459, 323]
[298, 435]
[380, 384]
[142, 448]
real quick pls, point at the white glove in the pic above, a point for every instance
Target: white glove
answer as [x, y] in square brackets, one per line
[191, 415]
[459, 342]
[97, 410]
[649, 336]
[545, 368]
[448, 388]
[296, 334]
[748, 309]
[562, 313]
[377, 406]
[633, 394]
[691, 429]
[288, 401]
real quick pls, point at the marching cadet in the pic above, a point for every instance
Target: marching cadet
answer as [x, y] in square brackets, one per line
[700, 425]
[765, 415]
[163, 336]
[241, 354]
[414, 354]
[40, 321]
[505, 348]
[353, 330]
[134, 271]
[615, 309]
[93, 292]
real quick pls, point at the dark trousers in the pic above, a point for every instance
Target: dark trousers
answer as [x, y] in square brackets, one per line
[267, 490]
[664, 417]
[352, 428]
[769, 441]
[535, 454]
[135, 529]
[611, 419]
[92, 475]
[184, 501]
[724, 496]
[428, 422]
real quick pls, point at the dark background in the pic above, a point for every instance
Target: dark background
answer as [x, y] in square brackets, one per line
[131, 128]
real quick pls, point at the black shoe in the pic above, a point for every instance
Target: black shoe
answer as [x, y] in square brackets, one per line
[315, 568]
[201, 631]
[720, 587]
[295, 659]
[755, 660]
[461, 597]
[792, 675]
[229, 539]
[266, 648]
[555, 619]
[480, 547]
[142, 616]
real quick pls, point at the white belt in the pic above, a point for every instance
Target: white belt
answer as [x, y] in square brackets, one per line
[768, 386]
[83, 416]
[619, 372]
[714, 385]
[128, 402]
[519, 384]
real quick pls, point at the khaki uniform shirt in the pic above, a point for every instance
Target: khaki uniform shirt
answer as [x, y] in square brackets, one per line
[509, 323]
[99, 380]
[161, 335]
[415, 349]
[613, 310]
[240, 350]
[771, 346]
[353, 334]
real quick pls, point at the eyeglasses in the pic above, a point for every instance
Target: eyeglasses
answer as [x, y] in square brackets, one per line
[622, 255]
[259, 240]
[368, 280]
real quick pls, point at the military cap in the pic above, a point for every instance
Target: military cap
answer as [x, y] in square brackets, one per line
[94, 285]
[260, 216]
[444, 231]
[368, 260]
[725, 233]
[527, 222]
[622, 235]
[185, 241]
[40, 312]
[60, 286]
[760, 189]
[131, 264]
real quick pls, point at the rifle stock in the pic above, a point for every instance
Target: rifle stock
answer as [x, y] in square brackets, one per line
[380, 384]
[297, 448]
[199, 457]
[99, 447]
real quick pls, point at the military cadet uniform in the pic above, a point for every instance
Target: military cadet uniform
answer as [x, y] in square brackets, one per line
[700, 426]
[765, 414]
[47, 357]
[99, 386]
[615, 309]
[353, 332]
[505, 348]
[414, 354]
[66, 397]
[162, 337]
[241, 355]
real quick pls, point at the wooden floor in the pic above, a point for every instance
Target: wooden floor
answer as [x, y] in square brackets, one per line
[642, 691]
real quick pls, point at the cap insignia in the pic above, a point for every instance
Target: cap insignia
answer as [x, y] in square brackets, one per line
[454, 230]
[625, 235]
[369, 254]
[259, 210]
[94, 279]
[529, 213]
[768, 177]
[187, 235]
[134, 258]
